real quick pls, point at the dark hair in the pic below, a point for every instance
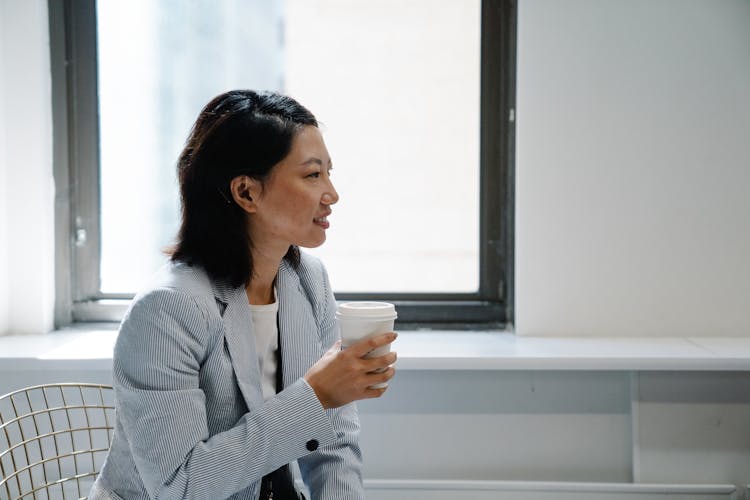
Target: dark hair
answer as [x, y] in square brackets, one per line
[240, 132]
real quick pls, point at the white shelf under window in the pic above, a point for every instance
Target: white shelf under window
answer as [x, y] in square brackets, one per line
[91, 347]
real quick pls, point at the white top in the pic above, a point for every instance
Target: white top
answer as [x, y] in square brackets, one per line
[266, 343]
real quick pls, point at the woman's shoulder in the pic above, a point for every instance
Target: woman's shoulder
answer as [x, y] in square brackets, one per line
[311, 271]
[182, 276]
[177, 279]
[178, 301]
[310, 263]
[311, 278]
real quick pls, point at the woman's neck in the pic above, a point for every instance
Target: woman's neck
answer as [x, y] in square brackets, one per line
[265, 269]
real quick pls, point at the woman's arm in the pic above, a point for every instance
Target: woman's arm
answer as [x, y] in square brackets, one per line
[162, 343]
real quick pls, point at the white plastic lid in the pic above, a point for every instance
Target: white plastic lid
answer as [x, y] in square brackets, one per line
[366, 310]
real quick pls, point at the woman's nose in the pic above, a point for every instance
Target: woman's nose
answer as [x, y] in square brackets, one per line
[330, 196]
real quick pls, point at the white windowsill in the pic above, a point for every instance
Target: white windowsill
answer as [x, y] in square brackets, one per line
[90, 347]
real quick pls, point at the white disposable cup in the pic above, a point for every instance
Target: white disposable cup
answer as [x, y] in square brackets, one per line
[361, 320]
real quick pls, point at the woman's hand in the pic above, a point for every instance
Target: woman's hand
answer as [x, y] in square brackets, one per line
[340, 377]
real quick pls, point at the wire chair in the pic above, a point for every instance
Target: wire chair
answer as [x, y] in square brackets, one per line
[54, 439]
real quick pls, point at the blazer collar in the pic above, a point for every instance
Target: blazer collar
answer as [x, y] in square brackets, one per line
[296, 323]
[226, 293]
[300, 342]
[240, 341]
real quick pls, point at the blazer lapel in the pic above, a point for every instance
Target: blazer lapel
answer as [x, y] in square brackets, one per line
[240, 340]
[299, 339]
[298, 332]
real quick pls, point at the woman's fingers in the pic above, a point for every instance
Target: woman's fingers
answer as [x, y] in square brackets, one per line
[362, 347]
[380, 362]
[381, 376]
[340, 377]
[374, 392]
[378, 383]
[335, 348]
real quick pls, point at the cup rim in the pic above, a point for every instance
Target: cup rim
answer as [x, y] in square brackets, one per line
[365, 309]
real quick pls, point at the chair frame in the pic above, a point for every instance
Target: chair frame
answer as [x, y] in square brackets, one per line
[20, 477]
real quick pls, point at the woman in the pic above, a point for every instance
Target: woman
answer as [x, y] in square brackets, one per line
[238, 315]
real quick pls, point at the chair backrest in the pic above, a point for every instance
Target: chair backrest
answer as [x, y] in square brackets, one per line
[54, 439]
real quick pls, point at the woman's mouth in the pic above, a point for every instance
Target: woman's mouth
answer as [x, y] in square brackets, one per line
[322, 222]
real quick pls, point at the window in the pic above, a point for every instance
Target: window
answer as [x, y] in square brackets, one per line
[416, 104]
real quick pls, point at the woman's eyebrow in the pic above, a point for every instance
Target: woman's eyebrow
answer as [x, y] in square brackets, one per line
[317, 161]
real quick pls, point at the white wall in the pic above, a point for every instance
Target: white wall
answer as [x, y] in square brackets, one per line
[692, 427]
[509, 425]
[27, 227]
[3, 180]
[633, 167]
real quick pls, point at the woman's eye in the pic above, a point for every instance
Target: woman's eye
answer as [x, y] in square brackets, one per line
[314, 175]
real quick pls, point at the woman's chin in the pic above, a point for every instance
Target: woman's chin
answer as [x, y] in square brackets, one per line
[312, 243]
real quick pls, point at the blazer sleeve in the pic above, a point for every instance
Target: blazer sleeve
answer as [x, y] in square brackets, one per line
[334, 472]
[162, 409]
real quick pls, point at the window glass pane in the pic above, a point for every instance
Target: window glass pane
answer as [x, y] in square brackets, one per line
[395, 85]
[159, 63]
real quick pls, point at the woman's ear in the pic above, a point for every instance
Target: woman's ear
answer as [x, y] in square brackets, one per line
[243, 189]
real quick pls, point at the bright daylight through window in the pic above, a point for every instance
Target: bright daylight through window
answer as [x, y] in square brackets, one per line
[396, 86]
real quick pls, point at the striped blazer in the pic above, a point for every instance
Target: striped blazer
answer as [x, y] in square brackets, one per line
[191, 421]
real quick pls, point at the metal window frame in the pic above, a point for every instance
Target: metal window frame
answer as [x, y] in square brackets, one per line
[76, 157]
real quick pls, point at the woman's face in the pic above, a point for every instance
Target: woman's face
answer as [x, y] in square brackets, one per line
[293, 205]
